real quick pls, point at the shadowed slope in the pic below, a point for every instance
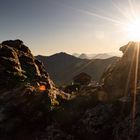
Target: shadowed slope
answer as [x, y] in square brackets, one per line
[63, 67]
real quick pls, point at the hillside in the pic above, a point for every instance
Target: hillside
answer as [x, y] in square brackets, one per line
[63, 67]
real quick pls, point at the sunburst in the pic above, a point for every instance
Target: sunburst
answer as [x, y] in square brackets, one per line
[133, 30]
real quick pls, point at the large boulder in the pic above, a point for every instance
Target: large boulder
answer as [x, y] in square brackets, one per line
[18, 64]
[120, 78]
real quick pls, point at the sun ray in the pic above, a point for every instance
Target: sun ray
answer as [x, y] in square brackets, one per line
[84, 66]
[131, 4]
[127, 86]
[101, 16]
[126, 15]
[95, 14]
[135, 85]
[129, 73]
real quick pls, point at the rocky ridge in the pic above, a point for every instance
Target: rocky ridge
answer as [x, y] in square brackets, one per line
[27, 94]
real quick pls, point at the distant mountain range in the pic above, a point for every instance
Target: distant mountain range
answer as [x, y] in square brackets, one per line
[62, 67]
[96, 56]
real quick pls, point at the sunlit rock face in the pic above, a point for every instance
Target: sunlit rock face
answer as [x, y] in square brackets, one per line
[119, 79]
[17, 64]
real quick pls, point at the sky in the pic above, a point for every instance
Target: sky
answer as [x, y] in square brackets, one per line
[72, 26]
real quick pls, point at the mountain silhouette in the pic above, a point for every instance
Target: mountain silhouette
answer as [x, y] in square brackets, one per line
[62, 67]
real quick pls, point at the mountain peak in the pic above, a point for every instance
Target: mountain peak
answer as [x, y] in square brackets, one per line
[63, 54]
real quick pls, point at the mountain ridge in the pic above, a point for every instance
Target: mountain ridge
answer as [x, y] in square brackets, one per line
[62, 67]
[97, 55]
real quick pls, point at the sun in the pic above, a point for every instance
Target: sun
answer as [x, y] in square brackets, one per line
[133, 30]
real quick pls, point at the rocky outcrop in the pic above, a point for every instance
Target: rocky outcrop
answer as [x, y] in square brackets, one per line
[27, 94]
[119, 78]
[19, 65]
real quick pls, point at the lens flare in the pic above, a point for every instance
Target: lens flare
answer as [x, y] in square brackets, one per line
[42, 88]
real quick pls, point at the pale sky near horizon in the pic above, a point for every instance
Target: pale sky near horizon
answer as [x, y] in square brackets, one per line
[72, 26]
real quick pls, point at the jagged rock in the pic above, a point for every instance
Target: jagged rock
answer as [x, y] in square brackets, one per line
[17, 44]
[16, 60]
[25, 106]
[118, 79]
